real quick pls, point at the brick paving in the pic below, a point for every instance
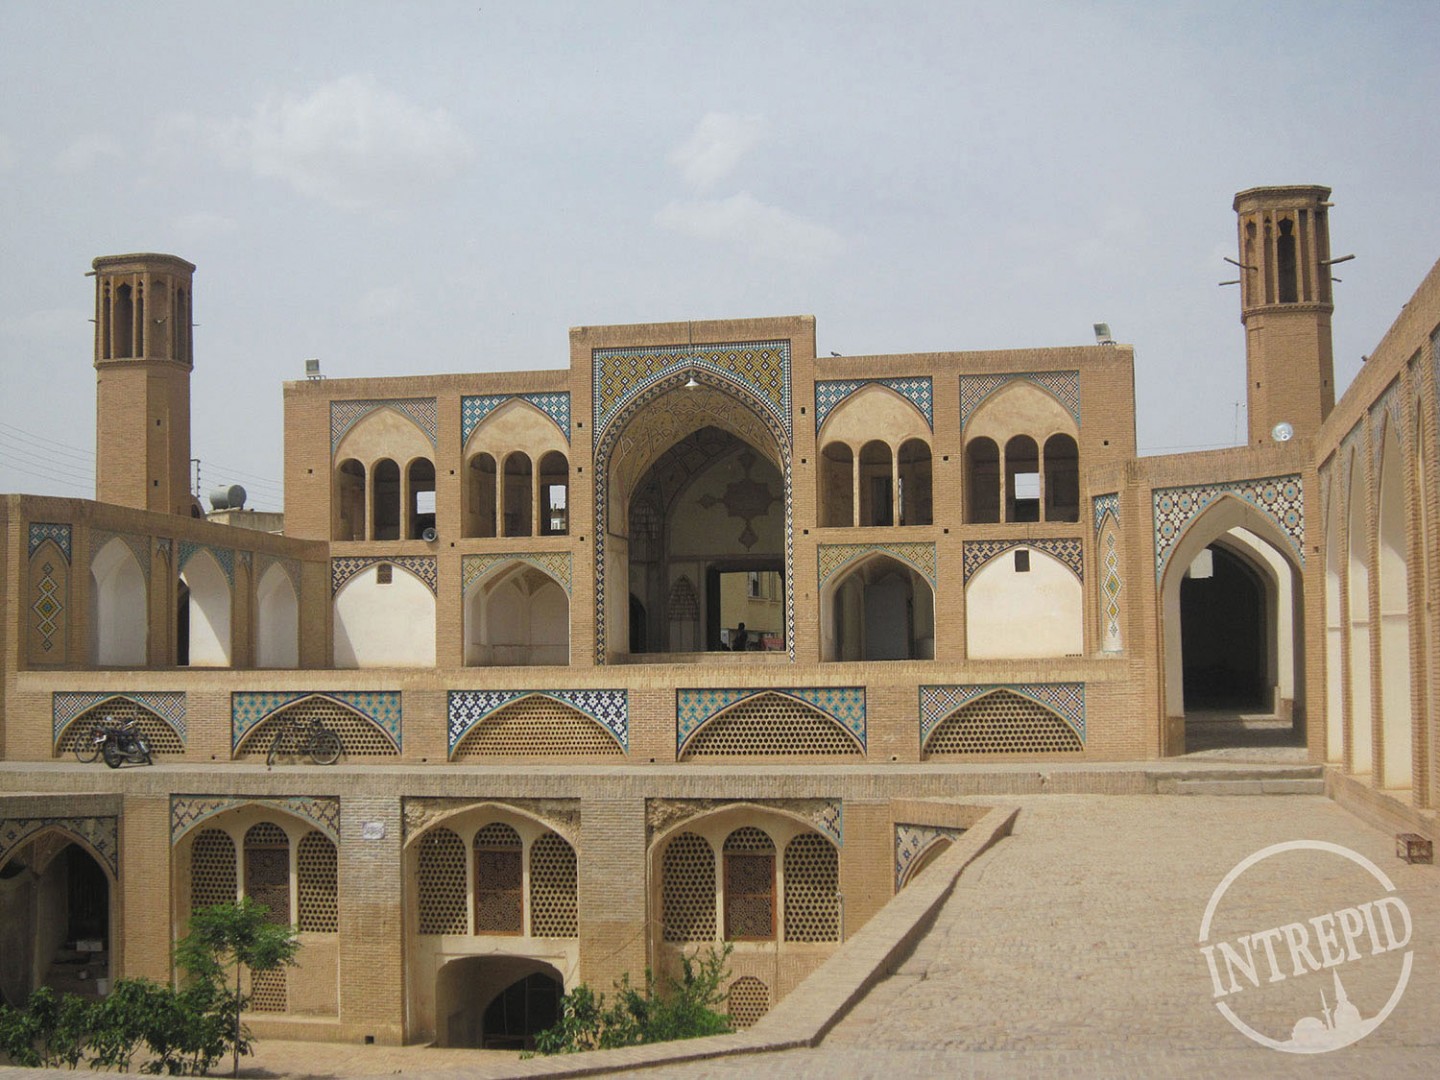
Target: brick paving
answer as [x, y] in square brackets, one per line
[1070, 948]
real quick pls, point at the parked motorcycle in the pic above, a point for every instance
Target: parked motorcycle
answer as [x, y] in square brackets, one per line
[118, 743]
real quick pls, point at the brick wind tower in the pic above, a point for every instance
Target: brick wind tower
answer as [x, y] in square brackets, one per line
[1285, 305]
[143, 362]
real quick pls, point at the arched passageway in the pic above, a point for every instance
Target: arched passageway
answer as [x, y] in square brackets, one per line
[881, 609]
[496, 1002]
[54, 920]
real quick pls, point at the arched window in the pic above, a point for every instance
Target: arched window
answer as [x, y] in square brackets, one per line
[499, 874]
[119, 607]
[1022, 479]
[480, 493]
[914, 495]
[837, 486]
[441, 883]
[982, 487]
[421, 508]
[1062, 479]
[812, 889]
[554, 494]
[877, 505]
[518, 477]
[267, 870]
[553, 879]
[687, 897]
[212, 869]
[277, 621]
[123, 328]
[749, 855]
[1394, 593]
[317, 897]
[350, 501]
[386, 500]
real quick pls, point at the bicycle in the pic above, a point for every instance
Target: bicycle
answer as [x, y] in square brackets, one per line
[308, 737]
[88, 740]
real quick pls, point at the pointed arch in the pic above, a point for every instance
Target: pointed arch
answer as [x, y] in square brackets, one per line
[879, 607]
[163, 734]
[210, 608]
[537, 725]
[360, 735]
[1024, 603]
[516, 615]
[119, 607]
[1392, 566]
[1357, 546]
[277, 620]
[771, 724]
[384, 624]
[1334, 621]
[1002, 722]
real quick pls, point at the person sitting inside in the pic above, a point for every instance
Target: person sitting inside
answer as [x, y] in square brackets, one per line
[740, 640]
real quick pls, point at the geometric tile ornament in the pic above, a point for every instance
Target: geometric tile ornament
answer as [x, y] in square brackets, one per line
[41, 531]
[168, 705]
[1110, 586]
[554, 563]
[912, 840]
[918, 390]
[290, 566]
[188, 811]
[1106, 504]
[835, 557]
[760, 367]
[1066, 699]
[843, 704]
[380, 707]
[138, 545]
[346, 414]
[608, 708]
[1064, 385]
[755, 375]
[1066, 550]
[49, 607]
[101, 833]
[344, 568]
[224, 558]
[473, 410]
[1280, 498]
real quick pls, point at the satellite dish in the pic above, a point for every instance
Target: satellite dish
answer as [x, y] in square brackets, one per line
[228, 498]
[1282, 432]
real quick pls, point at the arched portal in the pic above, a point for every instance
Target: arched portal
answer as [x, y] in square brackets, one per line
[1232, 624]
[55, 919]
[496, 1002]
[518, 616]
[879, 609]
[119, 617]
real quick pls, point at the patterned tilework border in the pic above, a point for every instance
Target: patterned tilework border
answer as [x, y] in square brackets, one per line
[290, 566]
[555, 563]
[168, 705]
[762, 367]
[843, 704]
[223, 557]
[912, 840]
[918, 390]
[1280, 498]
[40, 531]
[188, 811]
[608, 708]
[137, 545]
[380, 707]
[344, 415]
[101, 833]
[617, 423]
[833, 558]
[49, 609]
[473, 410]
[346, 567]
[1066, 699]
[829, 819]
[1106, 504]
[975, 389]
[1069, 550]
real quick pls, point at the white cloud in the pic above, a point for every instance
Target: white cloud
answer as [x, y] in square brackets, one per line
[745, 222]
[84, 153]
[715, 147]
[351, 143]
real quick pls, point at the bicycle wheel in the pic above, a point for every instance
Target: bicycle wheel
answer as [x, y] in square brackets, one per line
[87, 749]
[324, 747]
[277, 746]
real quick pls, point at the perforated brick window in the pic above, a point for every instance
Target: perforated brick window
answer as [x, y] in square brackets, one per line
[749, 1000]
[687, 889]
[812, 880]
[160, 735]
[359, 736]
[212, 869]
[317, 893]
[267, 870]
[499, 880]
[772, 725]
[749, 885]
[384, 574]
[440, 871]
[267, 991]
[552, 888]
[538, 726]
[1002, 722]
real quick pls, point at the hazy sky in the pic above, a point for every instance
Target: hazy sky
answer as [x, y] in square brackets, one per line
[416, 187]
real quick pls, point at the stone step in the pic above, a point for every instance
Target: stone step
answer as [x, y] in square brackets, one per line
[1254, 786]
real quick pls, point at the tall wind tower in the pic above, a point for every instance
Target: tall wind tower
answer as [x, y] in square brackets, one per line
[143, 362]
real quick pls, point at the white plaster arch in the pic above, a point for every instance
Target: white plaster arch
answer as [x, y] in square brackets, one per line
[119, 607]
[210, 607]
[1334, 625]
[1012, 614]
[1397, 744]
[516, 615]
[277, 620]
[384, 625]
[1357, 545]
[1021, 408]
[873, 412]
[516, 425]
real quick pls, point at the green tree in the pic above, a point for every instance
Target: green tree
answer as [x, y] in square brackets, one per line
[237, 936]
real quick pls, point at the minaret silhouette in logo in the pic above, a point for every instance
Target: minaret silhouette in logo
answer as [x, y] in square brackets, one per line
[1347, 1016]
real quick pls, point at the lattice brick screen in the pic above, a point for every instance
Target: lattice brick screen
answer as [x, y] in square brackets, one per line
[749, 1000]
[538, 726]
[812, 880]
[212, 869]
[318, 900]
[771, 725]
[688, 889]
[441, 883]
[553, 888]
[1002, 722]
